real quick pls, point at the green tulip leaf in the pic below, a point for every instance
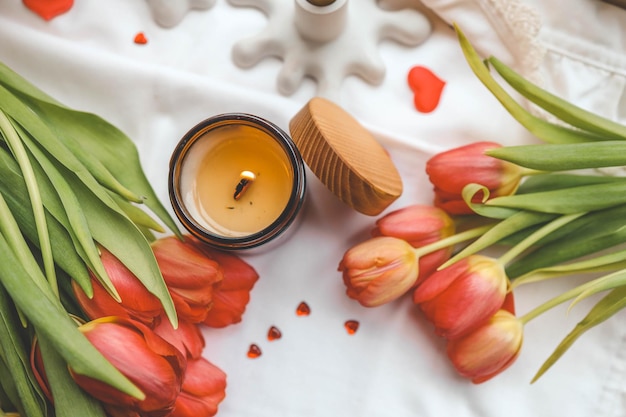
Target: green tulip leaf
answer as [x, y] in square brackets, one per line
[16, 82]
[64, 251]
[50, 319]
[120, 236]
[560, 108]
[612, 303]
[69, 399]
[20, 154]
[472, 191]
[9, 397]
[542, 129]
[589, 234]
[519, 221]
[137, 215]
[605, 262]
[556, 181]
[564, 157]
[70, 206]
[607, 282]
[98, 137]
[566, 201]
[16, 359]
[86, 166]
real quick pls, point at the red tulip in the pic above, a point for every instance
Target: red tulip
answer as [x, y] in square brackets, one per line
[452, 170]
[39, 371]
[190, 275]
[232, 295]
[136, 301]
[152, 364]
[203, 389]
[419, 225]
[187, 338]
[379, 270]
[460, 297]
[489, 349]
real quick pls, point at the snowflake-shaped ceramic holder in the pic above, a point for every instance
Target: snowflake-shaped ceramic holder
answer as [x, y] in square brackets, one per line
[327, 43]
[168, 13]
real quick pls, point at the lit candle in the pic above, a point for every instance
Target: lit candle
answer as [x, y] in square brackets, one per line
[236, 181]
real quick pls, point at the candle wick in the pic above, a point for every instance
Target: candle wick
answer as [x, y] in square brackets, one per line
[246, 178]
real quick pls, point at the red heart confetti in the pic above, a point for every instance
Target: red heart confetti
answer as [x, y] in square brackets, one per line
[426, 87]
[351, 326]
[48, 9]
[141, 39]
[274, 334]
[254, 351]
[303, 309]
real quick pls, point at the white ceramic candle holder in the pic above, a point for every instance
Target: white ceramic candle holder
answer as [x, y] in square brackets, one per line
[169, 13]
[327, 43]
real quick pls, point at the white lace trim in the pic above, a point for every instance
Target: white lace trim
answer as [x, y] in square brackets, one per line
[518, 26]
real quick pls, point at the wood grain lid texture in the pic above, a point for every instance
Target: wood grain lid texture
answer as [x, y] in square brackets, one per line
[345, 156]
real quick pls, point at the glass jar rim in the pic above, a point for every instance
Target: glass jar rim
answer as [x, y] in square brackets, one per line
[270, 232]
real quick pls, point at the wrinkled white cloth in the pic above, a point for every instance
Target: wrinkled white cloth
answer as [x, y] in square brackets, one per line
[393, 365]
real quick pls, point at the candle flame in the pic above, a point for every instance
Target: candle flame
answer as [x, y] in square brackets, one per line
[246, 178]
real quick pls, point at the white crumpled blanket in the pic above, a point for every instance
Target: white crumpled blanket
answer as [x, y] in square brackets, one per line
[393, 365]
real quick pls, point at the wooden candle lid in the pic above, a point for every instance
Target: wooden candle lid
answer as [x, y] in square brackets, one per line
[345, 157]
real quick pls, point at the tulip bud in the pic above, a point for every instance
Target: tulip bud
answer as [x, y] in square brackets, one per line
[452, 170]
[419, 225]
[137, 302]
[379, 270]
[460, 297]
[203, 389]
[147, 360]
[489, 349]
[187, 337]
[232, 295]
[190, 275]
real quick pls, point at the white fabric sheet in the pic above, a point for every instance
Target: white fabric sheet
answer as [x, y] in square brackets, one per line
[393, 365]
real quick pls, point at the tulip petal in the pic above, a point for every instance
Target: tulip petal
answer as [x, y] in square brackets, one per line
[438, 282]
[488, 350]
[187, 338]
[203, 389]
[146, 359]
[191, 276]
[232, 296]
[379, 270]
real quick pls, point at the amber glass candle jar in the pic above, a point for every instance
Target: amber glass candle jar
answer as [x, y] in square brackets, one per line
[236, 181]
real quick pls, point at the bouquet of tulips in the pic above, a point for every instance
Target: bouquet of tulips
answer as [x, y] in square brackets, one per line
[98, 317]
[543, 207]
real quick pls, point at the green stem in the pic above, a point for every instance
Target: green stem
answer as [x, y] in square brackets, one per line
[452, 240]
[553, 302]
[536, 236]
[608, 262]
[21, 156]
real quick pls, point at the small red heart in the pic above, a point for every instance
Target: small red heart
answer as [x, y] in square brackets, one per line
[141, 39]
[47, 9]
[426, 87]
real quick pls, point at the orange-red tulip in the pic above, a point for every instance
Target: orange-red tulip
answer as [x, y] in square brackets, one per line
[190, 275]
[419, 225]
[187, 337]
[152, 364]
[460, 297]
[379, 270]
[232, 295]
[137, 302]
[452, 170]
[489, 349]
[203, 389]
